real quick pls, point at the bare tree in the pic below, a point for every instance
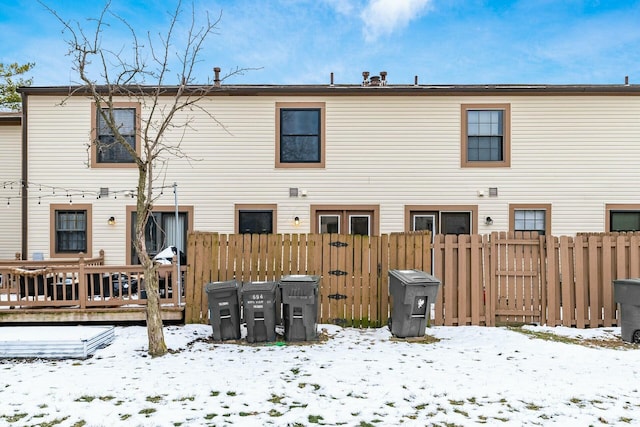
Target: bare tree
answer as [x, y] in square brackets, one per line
[142, 72]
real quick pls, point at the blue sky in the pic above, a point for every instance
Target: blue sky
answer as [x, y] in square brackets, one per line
[303, 41]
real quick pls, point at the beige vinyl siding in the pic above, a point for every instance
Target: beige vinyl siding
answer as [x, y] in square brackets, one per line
[10, 191]
[576, 153]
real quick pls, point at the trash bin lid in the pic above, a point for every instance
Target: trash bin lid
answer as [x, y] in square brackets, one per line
[260, 287]
[217, 286]
[627, 282]
[413, 277]
[299, 278]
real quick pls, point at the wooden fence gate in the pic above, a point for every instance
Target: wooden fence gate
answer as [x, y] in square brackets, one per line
[517, 266]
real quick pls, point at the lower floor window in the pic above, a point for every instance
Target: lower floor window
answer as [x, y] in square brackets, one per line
[71, 231]
[441, 222]
[624, 220]
[255, 219]
[162, 231]
[358, 220]
[530, 217]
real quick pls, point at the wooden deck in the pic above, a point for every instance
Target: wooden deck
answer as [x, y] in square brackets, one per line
[92, 315]
[83, 291]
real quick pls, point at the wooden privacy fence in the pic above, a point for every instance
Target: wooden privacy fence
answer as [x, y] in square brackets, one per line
[486, 279]
[353, 288]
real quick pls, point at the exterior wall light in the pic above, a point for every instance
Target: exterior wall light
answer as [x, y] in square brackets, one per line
[111, 220]
[296, 221]
[488, 220]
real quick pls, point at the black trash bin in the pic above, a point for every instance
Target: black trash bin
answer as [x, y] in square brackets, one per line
[259, 302]
[299, 295]
[224, 309]
[627, 294]
[412, 293]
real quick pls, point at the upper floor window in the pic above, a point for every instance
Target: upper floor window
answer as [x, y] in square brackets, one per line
[530, 217]
[71, 230]
[486, 135]
[300, 135]
[107, 151]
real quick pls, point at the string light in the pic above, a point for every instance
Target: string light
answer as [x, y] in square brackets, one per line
[68, 193]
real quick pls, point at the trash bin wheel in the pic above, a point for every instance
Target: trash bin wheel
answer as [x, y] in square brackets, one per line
[636, 336]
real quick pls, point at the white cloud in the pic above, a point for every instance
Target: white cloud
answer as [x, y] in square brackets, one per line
[382, 17]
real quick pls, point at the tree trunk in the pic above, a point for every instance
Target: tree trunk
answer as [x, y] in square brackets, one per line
[157, 345]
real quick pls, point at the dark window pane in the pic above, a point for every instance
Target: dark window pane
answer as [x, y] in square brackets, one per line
[359, 224]
[300, 136]
[455, 223]
[329, 224]
[625, 221]
[485, 135]
[300, 149]
[255, 222]
[160, 233]
[71, 231]
[109, 150]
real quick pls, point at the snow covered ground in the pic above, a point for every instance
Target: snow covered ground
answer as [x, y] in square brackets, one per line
[354, 377]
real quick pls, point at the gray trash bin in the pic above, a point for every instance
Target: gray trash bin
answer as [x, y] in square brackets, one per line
[224, 309]
[627, 294]
[300, 306]
[259, 302]
[412, 293]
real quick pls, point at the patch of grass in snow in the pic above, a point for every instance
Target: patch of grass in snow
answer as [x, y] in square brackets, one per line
[147, 411]
[390, 404]
[297, 405]
[232, 393]
[625, 420]
[503, 419]
[427, 339]
[461, 412]
[613, 343]
[106, 398]
[154, 399]
[276, 398]
[53, 422]
[124, 417]
[214, 393]
[421, 406]
[532, 406]
[456, 402]
[210, 416]
[275, 413]
[85, 398]
[185, 398]
[80, 423]
[578, 402]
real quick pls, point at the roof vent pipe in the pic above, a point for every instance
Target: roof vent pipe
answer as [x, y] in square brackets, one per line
[375, 81]
[365, 78]
[415, 81]
[331, 79]
[383, 77]
[216, 79]
[626, 80]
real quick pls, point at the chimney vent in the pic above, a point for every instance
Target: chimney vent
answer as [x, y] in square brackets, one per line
[216, 79]
[331, 79]
[383, 77]
[374, 81]
[415, 81]
[626, 80]
[365, 78]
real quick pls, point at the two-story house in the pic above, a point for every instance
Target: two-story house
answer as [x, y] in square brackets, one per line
[367, 158]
